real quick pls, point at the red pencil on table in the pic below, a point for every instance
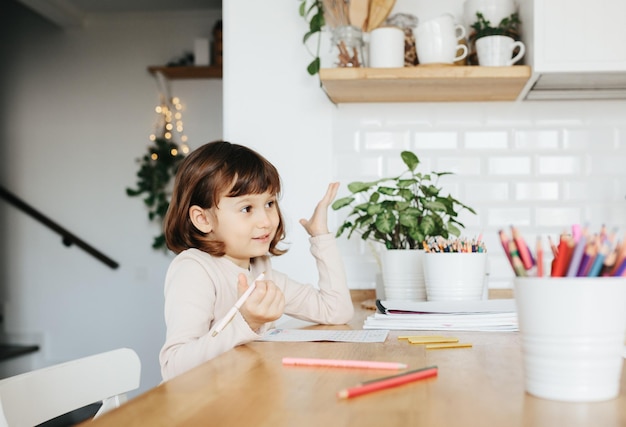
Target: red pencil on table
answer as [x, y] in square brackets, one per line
[388, 382]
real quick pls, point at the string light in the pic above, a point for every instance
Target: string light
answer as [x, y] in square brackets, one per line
[170, 125]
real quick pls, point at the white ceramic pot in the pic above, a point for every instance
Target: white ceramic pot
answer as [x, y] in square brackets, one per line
[403, 274]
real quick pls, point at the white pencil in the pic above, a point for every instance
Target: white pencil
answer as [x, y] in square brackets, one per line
[231, 313]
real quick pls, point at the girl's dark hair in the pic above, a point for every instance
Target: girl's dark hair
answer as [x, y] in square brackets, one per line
[209, 172]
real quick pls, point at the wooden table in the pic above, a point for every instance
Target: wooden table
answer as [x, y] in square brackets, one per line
[249, 386]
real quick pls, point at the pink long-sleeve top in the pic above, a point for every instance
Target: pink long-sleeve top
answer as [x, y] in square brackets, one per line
[200, 289]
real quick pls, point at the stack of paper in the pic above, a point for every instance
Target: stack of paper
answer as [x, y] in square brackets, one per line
[484, 315]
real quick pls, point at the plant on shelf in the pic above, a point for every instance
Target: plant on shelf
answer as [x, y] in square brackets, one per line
[401, 211]
[313, 13]
[157, 168]
[508, 26]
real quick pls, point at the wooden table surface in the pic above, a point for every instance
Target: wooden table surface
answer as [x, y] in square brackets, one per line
[249, 386]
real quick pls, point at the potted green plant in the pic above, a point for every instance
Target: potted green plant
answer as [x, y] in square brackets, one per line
[399, 212]
[508, 26]
[496, 45]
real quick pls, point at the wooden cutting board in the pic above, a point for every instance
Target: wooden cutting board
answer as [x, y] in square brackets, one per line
[379, 11]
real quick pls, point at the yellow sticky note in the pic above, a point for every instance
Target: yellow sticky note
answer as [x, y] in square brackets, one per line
[447, 345]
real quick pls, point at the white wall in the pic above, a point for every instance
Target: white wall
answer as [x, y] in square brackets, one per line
[78, 109]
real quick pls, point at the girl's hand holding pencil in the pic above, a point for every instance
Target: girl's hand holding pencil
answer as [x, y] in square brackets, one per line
[578, 254]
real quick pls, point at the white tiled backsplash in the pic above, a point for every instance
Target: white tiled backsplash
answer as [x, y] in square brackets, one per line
[541, 166]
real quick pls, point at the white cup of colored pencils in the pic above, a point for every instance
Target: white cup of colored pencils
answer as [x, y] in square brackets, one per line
[455, 269]
[572, 319]
[580, 253]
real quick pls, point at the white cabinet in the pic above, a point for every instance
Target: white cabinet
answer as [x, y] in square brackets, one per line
[575, 35]
[576, 48]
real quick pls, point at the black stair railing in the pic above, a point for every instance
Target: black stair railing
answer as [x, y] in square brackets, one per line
[68, 238]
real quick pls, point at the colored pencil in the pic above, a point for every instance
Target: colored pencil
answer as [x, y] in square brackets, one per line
[539, 257]
[553, 247]
[389, 382]
[516, 263]
[231, 313]
[621, 269]
[396, 375]
[587, 260]
[504, 239]
[598, 261]
[438, 346]
[522, 249]
[560, 263]
[340, 363]
[577, 256]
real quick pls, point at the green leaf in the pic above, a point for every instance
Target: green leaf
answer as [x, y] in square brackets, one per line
[340, 203]
[435, 206]
[428, 226]
[403, 183]
[406, 194]
[314, 67]
[374, 209]
[453, 230]
[409, 159]
[408, 220]
[385, 222]
[387, 191]
[357, 187]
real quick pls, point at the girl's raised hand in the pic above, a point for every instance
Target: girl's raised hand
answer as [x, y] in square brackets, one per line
[318, 224]
[265, 304]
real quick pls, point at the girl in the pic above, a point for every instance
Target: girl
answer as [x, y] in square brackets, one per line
[224, 223]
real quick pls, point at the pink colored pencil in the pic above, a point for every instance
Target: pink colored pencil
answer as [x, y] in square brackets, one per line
[340, 363]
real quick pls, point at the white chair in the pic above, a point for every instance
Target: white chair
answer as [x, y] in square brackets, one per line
[35, 397]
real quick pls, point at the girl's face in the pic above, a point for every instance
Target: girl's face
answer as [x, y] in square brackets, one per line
[247, 225]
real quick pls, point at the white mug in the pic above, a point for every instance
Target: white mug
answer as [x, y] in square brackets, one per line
[496, 51]
[386, 48]
[437, 41]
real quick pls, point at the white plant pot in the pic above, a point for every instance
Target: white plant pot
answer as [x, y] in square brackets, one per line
[403, 274]
[455, 276]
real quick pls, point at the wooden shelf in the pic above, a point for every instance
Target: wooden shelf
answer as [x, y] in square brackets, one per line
[191, 72]
[425, 83]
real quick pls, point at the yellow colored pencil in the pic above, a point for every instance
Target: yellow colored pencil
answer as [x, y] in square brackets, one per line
[447, 345]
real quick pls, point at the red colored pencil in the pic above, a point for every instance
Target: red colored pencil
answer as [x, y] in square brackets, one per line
[562, 260]
[388, 382]
[522, 249]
